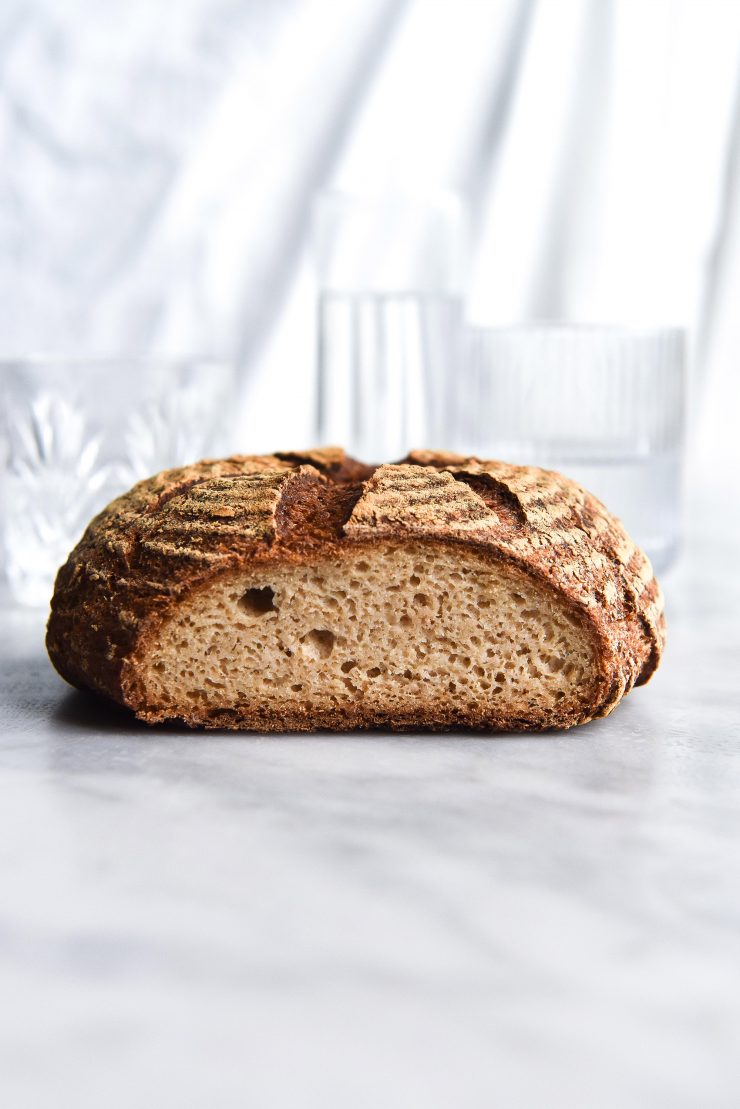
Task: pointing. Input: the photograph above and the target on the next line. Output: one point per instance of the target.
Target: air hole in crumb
(319, 643)
(348, 665)
(258, 601)
(421, 599)
(159, 667)
(297, 688)
(373, 672)
(415, 579)
(363, 566)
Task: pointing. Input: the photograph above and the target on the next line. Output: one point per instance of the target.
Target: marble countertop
(377, 921)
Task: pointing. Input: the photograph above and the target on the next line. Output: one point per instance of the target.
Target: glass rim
(112, 361)
(563, 327)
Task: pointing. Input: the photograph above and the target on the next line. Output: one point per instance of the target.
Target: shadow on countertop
(89, 712)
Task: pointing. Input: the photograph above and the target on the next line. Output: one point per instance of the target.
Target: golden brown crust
(179, 530)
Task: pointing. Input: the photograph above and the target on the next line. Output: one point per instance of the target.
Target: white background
(158, 162)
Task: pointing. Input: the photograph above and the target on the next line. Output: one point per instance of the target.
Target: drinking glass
(604, 405)
(75, 434)
(390, 272)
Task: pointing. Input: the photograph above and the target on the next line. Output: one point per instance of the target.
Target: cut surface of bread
(391, 633)
(307, 590)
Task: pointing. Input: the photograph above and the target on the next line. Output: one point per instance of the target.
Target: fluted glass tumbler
(390, 272)
(76, 434)
(606, 406)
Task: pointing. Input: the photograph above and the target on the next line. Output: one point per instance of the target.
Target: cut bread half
(402, 634)
(298, 592)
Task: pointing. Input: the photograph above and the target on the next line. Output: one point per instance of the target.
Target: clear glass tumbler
(75, 434)
(390, 272)
(606, 406)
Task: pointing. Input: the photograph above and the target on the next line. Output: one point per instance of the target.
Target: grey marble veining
(191, 920)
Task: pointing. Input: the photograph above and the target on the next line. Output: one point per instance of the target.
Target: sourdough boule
(306, 590)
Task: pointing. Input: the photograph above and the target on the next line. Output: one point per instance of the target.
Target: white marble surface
(191, 920)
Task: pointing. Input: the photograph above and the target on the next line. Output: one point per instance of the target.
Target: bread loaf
(309, 591)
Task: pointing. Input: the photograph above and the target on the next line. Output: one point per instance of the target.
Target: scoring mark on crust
(313, 509)
(496, 495)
